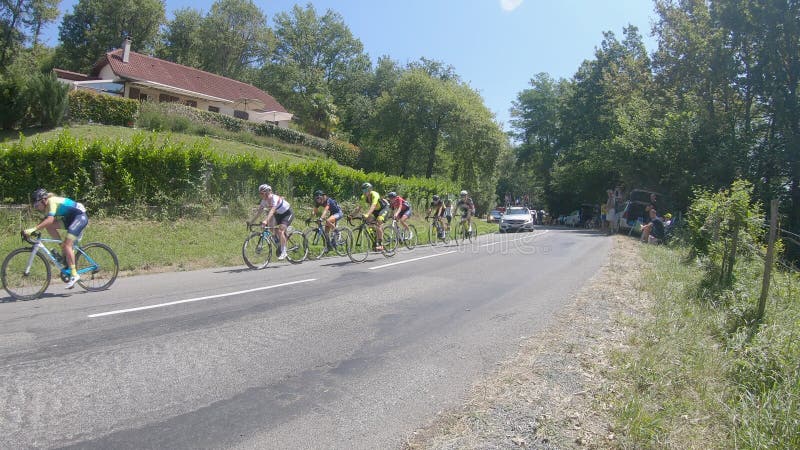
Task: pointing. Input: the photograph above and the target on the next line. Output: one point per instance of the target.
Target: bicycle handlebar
(28, 239)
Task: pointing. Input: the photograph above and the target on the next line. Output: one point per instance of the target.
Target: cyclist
(278, 208)
(402, 211)
(378, 209)
(329, 206)
(467, 207)
(438, 209)
(72, 214)
(448, 211)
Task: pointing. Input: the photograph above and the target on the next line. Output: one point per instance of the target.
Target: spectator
(655, 233)
(611, 212)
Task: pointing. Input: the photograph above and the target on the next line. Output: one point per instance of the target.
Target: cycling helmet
(38, 195)
(366, 186)
(318, 193)
(264, 188)
(463, 193)
(435, 198)
(392, 194)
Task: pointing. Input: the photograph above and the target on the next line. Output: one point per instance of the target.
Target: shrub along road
(345, 356)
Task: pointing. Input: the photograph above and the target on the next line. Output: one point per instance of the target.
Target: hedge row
(86, 106)
(106, 175)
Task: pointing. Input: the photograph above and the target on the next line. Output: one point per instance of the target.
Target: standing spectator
(611, 211)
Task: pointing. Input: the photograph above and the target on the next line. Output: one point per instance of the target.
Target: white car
(516, 219)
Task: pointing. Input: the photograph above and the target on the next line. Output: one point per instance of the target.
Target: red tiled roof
(146, 68)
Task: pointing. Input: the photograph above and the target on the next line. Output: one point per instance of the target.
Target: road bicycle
(436, 231)
(320, 242)
(26, 271)
(407, 238)
(464, 231)
(258, 247)
(364, 239)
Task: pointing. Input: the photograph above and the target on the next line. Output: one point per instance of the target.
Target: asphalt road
(325, 354)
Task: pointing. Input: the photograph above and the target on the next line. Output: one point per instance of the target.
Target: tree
(97, 26)
(22, 21)
(315, 55)
(181, 41)
(234, 39)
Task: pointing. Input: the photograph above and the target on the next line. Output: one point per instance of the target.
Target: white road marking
(514, 240)
(411, 260)
(228, 294)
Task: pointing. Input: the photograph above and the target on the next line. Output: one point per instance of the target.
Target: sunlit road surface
(324, 354)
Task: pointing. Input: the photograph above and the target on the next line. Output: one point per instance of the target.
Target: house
(129, 74)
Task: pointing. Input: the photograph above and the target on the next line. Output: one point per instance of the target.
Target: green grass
(148, 245)
(699, 374)
(262, 147)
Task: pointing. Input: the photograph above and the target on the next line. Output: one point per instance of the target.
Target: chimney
(126, 49)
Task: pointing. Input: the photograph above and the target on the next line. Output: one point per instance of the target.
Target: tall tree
(235, 39)
(21, 22)
(181, 40)
(97, 26)
(315, 56)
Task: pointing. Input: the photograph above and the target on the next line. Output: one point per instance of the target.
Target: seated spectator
(655, 233)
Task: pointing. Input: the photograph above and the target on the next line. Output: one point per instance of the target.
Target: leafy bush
(48, 99)
(722, 227)
(86, 106)
(13, 99)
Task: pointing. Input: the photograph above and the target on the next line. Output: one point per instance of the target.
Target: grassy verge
(700, 374)
(148, 245)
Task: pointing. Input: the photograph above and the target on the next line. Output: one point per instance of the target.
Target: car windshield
(517, 211)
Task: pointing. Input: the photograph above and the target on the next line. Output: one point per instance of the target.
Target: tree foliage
(97, 26)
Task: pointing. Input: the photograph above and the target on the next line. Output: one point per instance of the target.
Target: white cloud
(510, 5)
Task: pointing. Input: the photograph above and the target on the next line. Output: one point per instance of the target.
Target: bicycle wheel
(21, 285)
(342, 239)
(410, 238)
(472, 234)
(359, 247)
(390, 240)
(296, 247)
(257, 251)
(458, 232)
(316, 243)
(103, 264)
(433, 234)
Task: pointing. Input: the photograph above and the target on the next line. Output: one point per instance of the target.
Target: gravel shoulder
(554, 393)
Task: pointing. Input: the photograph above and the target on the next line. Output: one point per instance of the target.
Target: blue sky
(496, 46)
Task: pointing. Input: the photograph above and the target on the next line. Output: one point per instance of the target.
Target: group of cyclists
(73, 215)
(378, 209)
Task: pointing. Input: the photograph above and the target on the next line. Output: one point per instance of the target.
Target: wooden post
(773, 228)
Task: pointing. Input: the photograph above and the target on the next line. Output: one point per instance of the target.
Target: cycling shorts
(338, 216)
(284, 218)
(76, 225)
(381, 214)
(406, 213)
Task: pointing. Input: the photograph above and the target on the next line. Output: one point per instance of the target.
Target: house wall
(153, 94)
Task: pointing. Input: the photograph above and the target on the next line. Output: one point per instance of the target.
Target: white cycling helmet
(463, 193)
(264, 188)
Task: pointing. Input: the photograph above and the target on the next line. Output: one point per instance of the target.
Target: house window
(134, 93)
(143, 97)
(164, 98)
(191, 103)
(213, 109)
(241, 114)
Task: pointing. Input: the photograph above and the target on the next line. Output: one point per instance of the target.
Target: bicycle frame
(39, 246)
